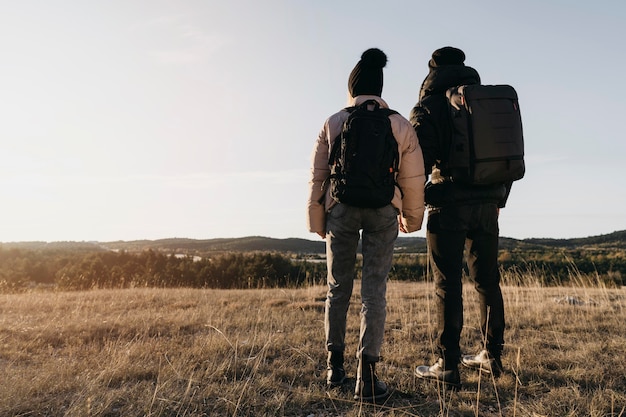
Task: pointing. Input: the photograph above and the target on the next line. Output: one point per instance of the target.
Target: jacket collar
(355, 101)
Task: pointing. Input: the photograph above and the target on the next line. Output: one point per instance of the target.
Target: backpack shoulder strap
(389, 112)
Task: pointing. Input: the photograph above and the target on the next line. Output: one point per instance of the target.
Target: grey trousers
(380, 230)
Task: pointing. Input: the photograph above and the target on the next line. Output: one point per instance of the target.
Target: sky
(153, 119)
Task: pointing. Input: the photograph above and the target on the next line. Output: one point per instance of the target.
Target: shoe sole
(379, 399)
(483, 369)
(477, 367)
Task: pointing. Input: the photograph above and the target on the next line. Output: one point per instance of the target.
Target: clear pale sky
(150, 119)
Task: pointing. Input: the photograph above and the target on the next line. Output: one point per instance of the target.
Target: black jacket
(431, 120)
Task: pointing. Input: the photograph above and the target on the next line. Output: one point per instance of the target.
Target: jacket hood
(440, 78)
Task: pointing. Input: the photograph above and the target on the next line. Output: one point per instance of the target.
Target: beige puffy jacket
(410, 178)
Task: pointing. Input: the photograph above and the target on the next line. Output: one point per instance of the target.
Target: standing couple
(458, 217)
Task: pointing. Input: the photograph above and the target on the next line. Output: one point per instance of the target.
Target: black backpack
(364, 158)
(487, 144)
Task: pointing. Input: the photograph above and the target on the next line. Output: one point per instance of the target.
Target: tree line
(587, 265)
(21, 269)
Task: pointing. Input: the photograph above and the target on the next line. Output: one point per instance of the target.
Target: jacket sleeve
(411, 176)
(316, 213)
(502, 202)
(425, 125)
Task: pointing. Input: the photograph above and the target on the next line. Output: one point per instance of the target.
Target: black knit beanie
(367, 76)
(447, 55)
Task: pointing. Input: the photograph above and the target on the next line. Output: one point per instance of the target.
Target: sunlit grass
(190, 352)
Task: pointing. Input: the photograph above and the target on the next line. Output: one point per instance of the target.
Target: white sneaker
(436, 372)
(483, 361)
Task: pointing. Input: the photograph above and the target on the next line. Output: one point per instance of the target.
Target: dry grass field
(185, 352)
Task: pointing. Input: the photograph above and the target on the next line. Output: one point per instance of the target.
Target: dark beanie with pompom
(367, 76)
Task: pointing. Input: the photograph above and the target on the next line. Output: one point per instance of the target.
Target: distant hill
(244, 244)
(611, 240)
(615, 240)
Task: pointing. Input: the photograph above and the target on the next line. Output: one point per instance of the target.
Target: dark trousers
(450, 230)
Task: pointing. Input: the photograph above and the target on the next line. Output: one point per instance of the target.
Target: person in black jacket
(459, 216)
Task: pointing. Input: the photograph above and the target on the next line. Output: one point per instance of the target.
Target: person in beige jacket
(341, 225)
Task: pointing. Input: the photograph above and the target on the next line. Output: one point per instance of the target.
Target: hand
(401, 226)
